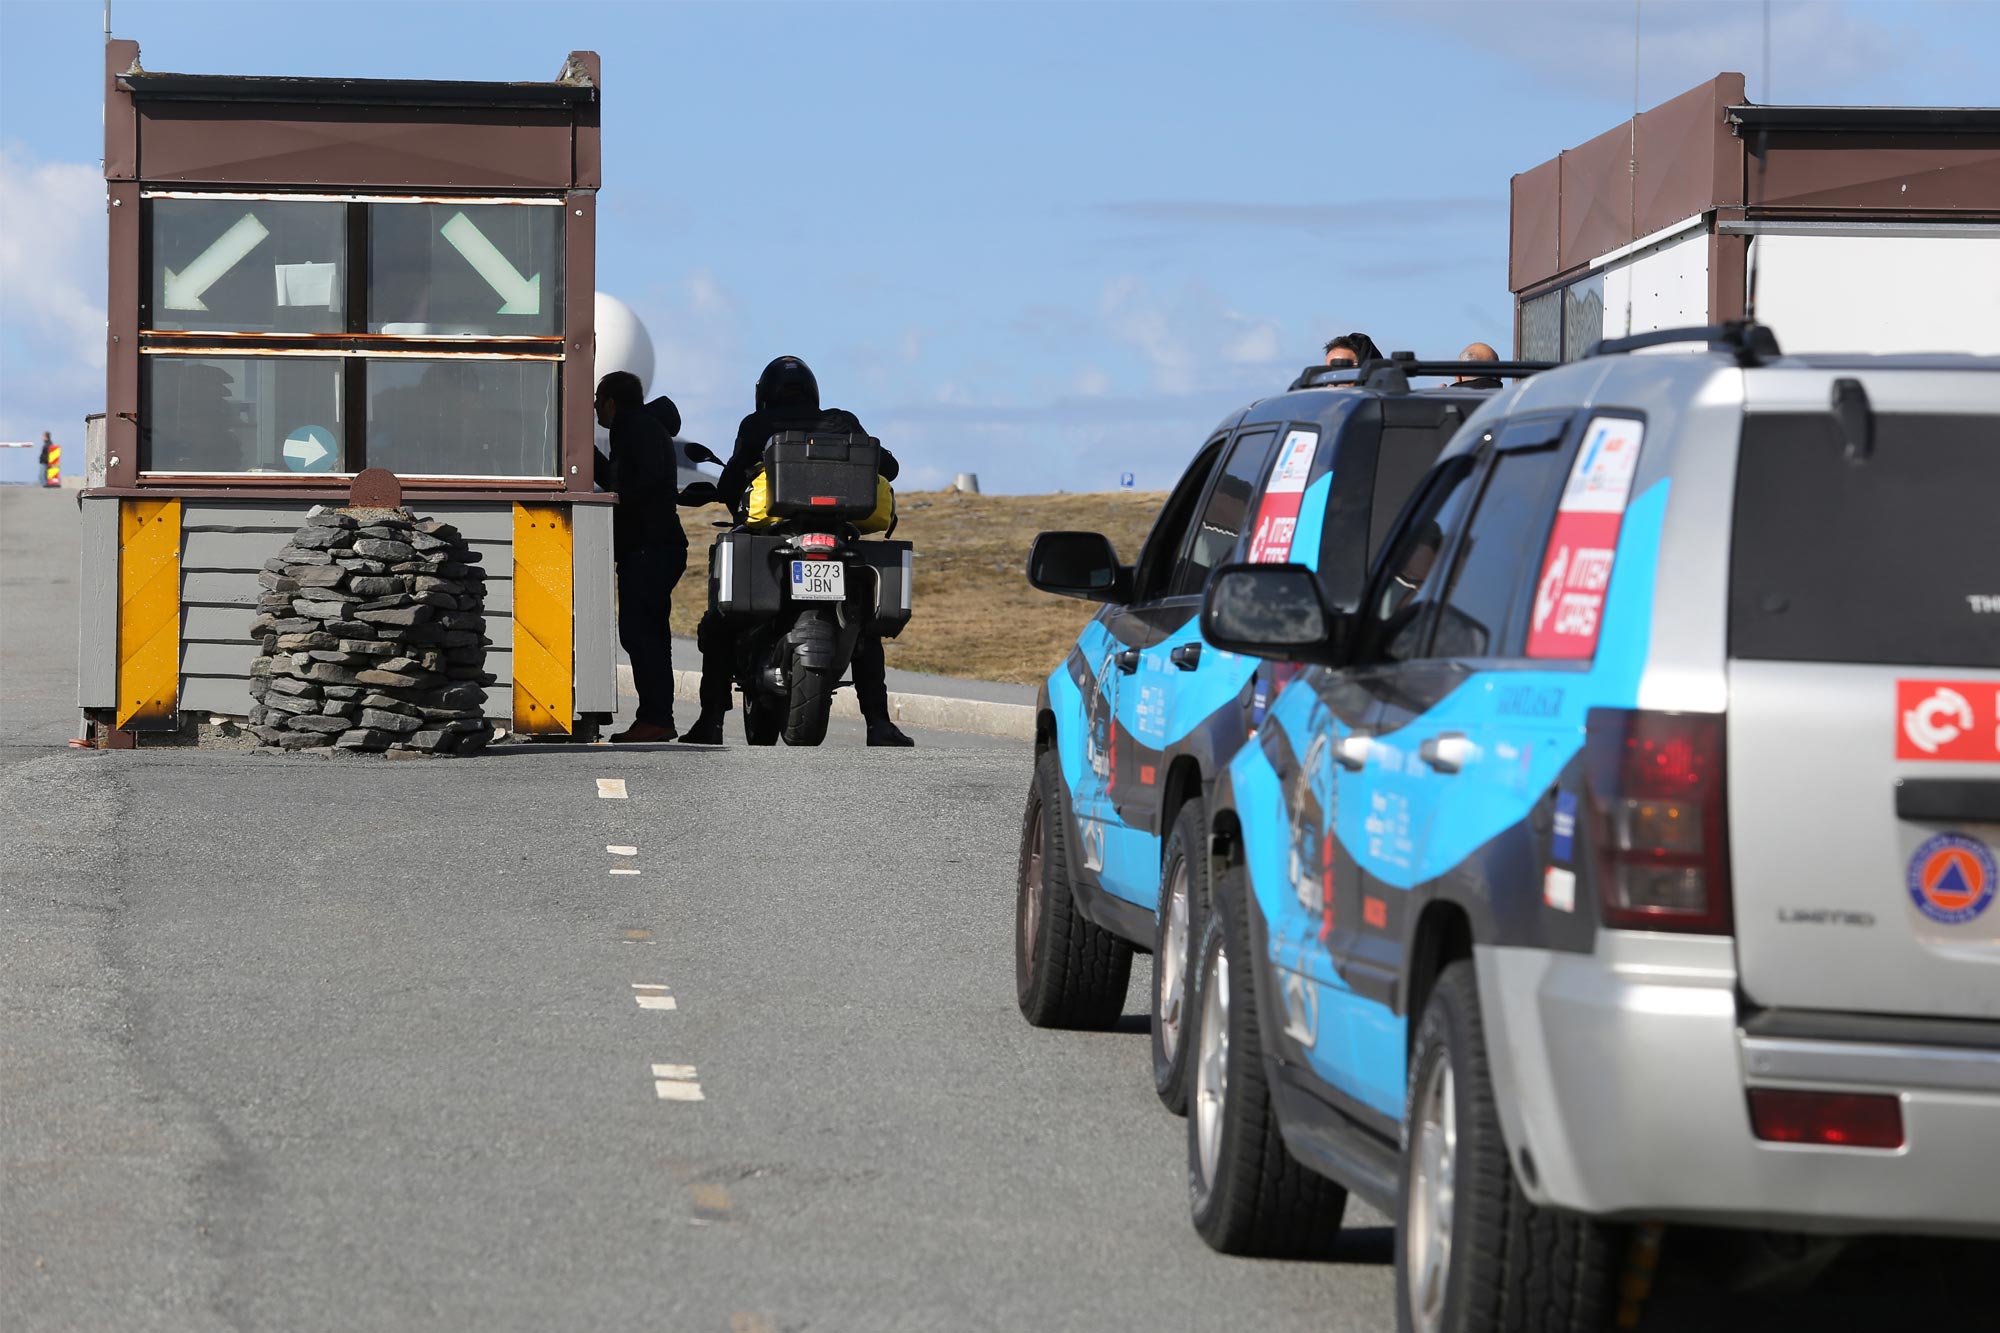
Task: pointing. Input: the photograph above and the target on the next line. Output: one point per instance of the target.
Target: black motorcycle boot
(707, 730)
(881, 731)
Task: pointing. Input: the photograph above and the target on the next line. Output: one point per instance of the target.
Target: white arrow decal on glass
(309, 449)
(523, 296)
(184, 288)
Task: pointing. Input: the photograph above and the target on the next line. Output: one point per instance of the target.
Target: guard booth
(309, 277)
(1853, 229)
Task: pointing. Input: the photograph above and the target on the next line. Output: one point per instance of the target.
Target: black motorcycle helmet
(787, 385)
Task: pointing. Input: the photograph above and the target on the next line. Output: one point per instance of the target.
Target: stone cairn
(373, 637)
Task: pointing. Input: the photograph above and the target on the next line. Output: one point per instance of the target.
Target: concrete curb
(936, 712)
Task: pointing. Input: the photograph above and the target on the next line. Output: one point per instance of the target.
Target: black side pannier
(743, 576)
(891, 563)
(811, 474)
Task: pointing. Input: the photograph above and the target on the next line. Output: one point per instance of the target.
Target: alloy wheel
(1434, 1151)
(1211, 1075)
(1028, 906)
(1170, 968)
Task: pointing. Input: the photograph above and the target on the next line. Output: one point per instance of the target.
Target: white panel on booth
(1880, 293)
(1664, 288)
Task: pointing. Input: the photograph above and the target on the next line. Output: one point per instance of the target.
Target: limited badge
(1952, 878)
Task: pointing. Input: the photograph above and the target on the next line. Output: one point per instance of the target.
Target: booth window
(453, 270)
(249, 266)
(1563, 323)
(423, 337)
(463, 417)
(244, 414)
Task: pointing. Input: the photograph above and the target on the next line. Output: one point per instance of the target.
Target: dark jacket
(644, 469)
(757, 430)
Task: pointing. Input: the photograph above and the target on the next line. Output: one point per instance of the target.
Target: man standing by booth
(648, 543)
(51, 461)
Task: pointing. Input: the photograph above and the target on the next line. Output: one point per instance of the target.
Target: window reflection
(437, 417)
(437, 270)
(243, 414)
(248, 266)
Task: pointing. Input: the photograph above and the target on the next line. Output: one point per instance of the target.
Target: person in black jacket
(787, 399)
(647, 542)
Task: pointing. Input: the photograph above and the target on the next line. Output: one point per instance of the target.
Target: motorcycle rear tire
(762, 720)
(810, 704)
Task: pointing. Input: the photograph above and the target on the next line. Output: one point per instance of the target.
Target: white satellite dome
(624, 344)
(622, 341)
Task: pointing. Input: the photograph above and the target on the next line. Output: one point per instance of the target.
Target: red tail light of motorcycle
(1659, 822)
(817, 545)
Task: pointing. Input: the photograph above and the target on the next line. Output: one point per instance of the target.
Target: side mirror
(1272, 611)
(698, 453)
(1078, 564)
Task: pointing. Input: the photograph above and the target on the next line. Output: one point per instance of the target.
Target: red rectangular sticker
(1956, 720)
(1576, 567)
(1278, 511)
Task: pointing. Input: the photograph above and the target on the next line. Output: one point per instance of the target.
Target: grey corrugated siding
(97, 606)
(223, 546)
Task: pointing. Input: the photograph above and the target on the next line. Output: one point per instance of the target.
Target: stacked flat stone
(373, 637)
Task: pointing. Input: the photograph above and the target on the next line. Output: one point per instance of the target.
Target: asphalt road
(295, 1044)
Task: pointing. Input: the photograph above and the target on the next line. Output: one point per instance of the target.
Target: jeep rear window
(1893, 558)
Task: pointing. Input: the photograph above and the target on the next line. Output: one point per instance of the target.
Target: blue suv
(1507, 940)
(1135, 725)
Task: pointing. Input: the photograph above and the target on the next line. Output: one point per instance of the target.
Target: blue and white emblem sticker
(1562, 841)
(1952, 878)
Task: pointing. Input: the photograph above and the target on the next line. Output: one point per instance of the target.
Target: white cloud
(1191, 340)
(1818, 49)
(1251, 342)
(52, 274)
(1090, 382)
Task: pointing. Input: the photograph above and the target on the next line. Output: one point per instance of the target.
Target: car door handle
(1446, 752)
(1187, 657)
(1351, 752)
(1128, 661)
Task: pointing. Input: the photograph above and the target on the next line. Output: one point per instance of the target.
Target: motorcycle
(797, 583)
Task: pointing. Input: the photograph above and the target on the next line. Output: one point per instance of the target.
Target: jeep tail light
(817, 545)
(1659, 828)
(1829, 1119)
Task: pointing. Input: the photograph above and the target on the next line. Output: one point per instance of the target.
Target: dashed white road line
(652, 996)
(616, 850)
(624, 870)
(611, 789)
(676, 1083)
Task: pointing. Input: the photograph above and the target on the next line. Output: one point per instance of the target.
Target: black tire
(1248, 1195)
(763, 719)
(1506, 1264)
(810, 703)
(1068, 973)
(1186, 856)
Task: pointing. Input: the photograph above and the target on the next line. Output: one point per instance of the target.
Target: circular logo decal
(1952, 878)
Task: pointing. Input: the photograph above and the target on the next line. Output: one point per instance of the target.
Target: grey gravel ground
(297, 1043)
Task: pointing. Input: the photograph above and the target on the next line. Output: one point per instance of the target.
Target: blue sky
(1047, 243)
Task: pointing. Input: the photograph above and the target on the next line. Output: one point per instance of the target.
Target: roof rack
(1391, 374)
(1752, 344)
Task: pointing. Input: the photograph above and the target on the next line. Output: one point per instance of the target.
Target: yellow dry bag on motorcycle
(759, 515)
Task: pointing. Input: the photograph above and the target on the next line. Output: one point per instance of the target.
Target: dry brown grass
(975, 614)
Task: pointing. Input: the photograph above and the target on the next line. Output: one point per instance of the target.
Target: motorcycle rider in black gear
(787, 399)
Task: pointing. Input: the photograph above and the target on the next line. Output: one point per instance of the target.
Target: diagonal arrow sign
(523, 296)
(184, 289)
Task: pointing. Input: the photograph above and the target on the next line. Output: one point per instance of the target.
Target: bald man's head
(1478, 352)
